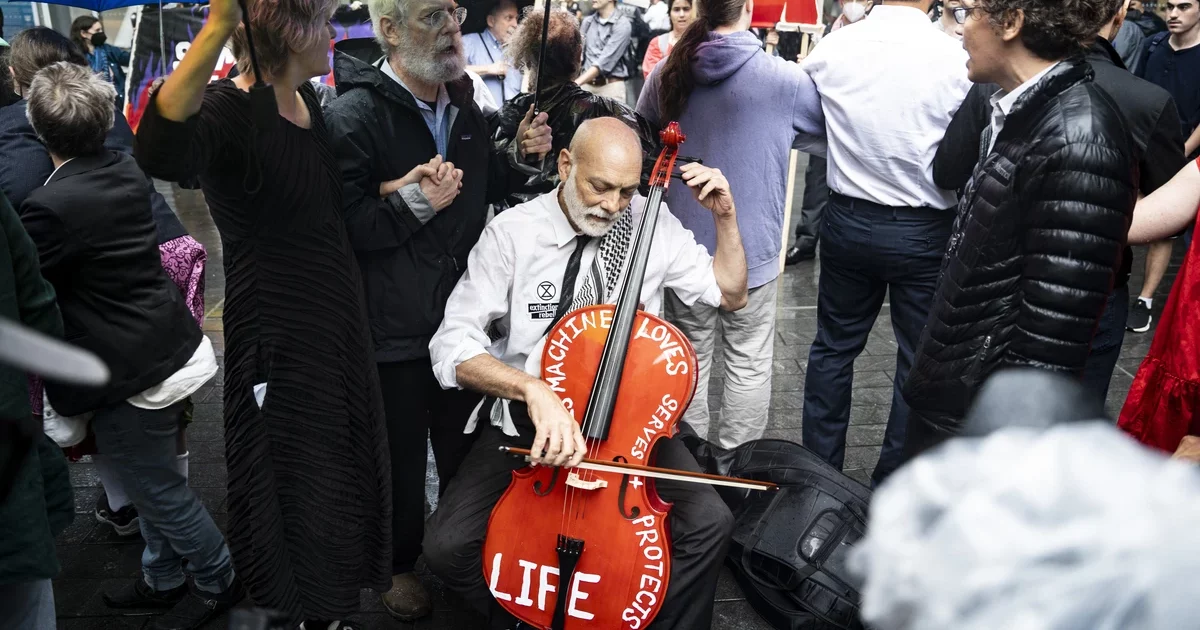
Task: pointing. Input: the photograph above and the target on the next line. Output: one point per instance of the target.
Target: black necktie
(567, 295)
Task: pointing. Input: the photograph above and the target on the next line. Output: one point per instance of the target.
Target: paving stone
(784, 418)
(860, 475)
(206, 412)
(205, 431)
(79, 529)
(786, 366)
(872, 378)
(93, 561)
(737, 615)
(861, 457)
(869, 435)
(869, 414)
(206, 475)
(872, 395)
(787, 383)
(205, 451)
(84, 476)
(787, 400)
(85, 500)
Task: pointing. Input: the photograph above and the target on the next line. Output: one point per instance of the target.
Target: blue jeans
(868, 251)
(140, 443)
(27, 606)
(1106, 345)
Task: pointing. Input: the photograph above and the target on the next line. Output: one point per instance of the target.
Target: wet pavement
(93, 559)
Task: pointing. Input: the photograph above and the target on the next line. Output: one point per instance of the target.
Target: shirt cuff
(712, 296)
(417, 202)
(447, 371)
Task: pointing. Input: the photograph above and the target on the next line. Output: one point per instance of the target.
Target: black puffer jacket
(409, 266)
(1035, 248)
(567, 106)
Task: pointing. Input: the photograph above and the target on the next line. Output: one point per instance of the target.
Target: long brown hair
(675, 82)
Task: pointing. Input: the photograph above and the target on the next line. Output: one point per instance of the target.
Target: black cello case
(789, 547)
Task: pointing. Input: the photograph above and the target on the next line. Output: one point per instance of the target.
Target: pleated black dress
(309, 480)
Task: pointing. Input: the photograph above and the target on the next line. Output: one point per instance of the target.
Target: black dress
(309, 476)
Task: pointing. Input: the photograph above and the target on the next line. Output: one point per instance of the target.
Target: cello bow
(653, 472)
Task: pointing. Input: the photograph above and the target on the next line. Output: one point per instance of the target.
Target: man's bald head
(607, 139)
(601, 170)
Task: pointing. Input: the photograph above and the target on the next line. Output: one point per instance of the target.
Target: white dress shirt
(1002, 104)
(889, 86)
(658, 16)
(513, 277)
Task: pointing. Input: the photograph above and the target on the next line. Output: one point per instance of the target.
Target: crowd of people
(395, 258)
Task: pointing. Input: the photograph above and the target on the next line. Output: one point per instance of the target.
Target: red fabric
(654, 53)
(1164, 402)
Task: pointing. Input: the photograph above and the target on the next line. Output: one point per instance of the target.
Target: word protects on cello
(650, 582)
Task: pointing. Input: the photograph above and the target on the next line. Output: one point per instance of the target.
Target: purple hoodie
(746, 112)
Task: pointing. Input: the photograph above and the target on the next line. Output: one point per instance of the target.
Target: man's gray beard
(431, 67)
(583, 216)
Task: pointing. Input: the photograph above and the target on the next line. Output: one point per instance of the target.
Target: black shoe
(796, 255)
(1139, 317)
(199, 607)
(125, 520)
(138, 594)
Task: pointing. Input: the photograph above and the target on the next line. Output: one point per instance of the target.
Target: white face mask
(854, 11)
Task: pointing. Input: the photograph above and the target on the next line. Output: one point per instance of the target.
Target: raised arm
(1169, 210)
(183, 92)
(184, 128)
(711, 190)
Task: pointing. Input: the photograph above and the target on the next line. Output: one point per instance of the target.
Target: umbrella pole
(162, 41)
(537, 89)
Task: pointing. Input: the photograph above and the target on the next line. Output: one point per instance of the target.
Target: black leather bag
(789, 547)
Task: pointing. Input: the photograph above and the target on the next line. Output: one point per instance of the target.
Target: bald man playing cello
(519, 281)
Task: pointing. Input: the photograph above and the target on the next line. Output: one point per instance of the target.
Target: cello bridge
(574, 481)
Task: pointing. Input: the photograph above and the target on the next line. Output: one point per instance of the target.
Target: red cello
(589, 547)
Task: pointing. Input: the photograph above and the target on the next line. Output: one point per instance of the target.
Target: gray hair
(71, 109)
(394, 10)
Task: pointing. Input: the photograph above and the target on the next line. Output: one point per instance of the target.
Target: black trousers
(1106, 345)
(416, 406)
(816, 197)
(699, 522)
(868, 251)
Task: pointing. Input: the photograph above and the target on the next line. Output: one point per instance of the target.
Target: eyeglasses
(437, 19)
(962, 13)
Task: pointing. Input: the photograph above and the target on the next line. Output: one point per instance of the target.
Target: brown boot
(408, 600)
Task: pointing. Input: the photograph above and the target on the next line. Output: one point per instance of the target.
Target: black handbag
(789, 547)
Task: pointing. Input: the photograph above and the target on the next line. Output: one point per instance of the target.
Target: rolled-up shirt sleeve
(690, 273)
(481, 297)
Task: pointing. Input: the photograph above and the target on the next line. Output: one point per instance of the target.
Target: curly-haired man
(1043, 220)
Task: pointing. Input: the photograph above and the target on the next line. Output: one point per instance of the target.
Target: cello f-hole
(537, 485)
(634, 511)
